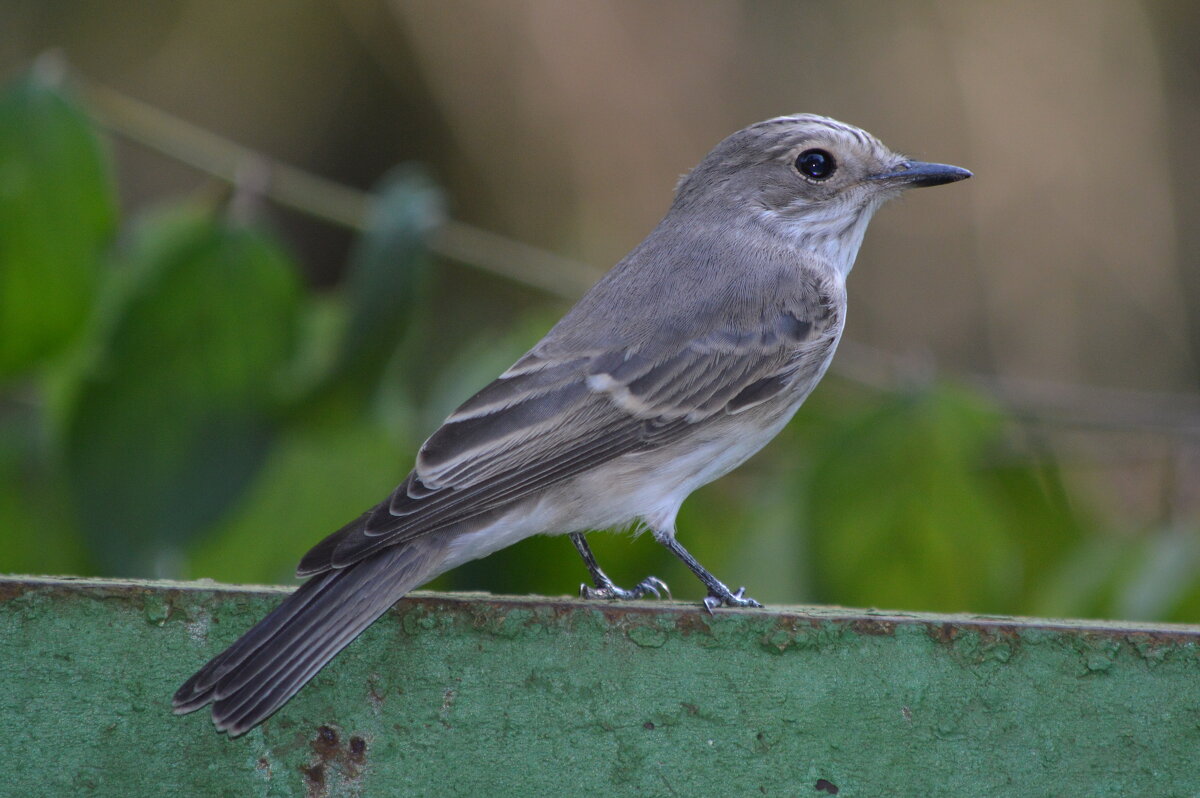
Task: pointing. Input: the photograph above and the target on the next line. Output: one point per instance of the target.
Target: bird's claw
(728, 599)
(650, 586)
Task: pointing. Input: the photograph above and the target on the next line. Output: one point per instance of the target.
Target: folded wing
(553, 416)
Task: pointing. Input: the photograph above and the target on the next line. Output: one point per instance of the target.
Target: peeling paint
(482, 695)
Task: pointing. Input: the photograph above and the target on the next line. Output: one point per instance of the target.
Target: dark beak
(920, 174)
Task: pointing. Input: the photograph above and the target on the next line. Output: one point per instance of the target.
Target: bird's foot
(726, 598)
(607, 590)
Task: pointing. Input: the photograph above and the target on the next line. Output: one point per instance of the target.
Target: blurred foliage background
(251, 254)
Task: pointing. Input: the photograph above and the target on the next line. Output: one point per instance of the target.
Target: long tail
(266, 666)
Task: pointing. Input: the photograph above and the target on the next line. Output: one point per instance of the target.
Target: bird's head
(813, 180)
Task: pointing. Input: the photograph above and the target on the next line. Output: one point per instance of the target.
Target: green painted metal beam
(476, 695)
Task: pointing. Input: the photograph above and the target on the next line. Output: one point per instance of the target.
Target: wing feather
(554, 415)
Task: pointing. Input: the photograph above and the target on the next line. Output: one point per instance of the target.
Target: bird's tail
(271, 662)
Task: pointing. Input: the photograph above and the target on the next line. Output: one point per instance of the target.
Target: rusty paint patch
(781, 637)
(325, 744)
(11, 590)
(1003, 632)
(1154, 642)
(976, 644)
(622, 615)
(330, 759)
(1150, 648)
(999, 643)
(692, 623)
(944, 633)
(874, 627)
(314, 779)
(945, 629)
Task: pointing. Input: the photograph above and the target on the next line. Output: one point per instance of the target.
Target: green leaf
(1161, 581)
(57, 213)
(915, 505)
(1179, 599)
(1087, 582)
(176, 417)
(321, 474)
(387, 267)
(37, 534)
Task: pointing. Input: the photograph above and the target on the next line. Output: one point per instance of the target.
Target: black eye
(817, 164)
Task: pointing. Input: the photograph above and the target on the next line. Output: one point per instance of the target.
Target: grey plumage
(684, 360)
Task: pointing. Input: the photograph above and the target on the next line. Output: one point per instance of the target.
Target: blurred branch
(216, 156)
(1094, 408)
(1044, 403)
(1056, 404)
(512, 259)
(319, 197)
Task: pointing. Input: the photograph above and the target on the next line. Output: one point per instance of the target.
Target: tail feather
(257, 705)
(271, 662)
(296, 654)
(301, 635)
(203, 683)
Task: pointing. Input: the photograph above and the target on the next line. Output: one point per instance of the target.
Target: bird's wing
(549, 418)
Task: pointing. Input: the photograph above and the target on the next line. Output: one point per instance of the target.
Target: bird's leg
(718, 594)
(604, 587)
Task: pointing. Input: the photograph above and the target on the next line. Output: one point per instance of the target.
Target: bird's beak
(919, 174)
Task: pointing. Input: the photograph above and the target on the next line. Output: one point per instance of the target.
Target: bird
(680, 363)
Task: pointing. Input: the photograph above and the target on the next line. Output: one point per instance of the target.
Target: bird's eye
(816, 164)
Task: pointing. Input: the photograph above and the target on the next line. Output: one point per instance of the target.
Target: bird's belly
(650, 486)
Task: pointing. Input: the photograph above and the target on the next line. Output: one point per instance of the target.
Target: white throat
(833, 233)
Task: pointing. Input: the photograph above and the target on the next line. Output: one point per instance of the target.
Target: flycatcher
(678, 365)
